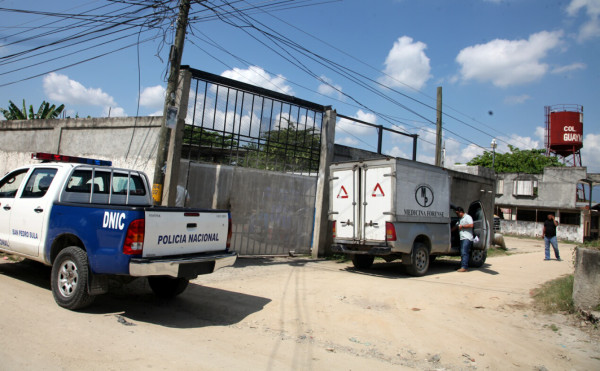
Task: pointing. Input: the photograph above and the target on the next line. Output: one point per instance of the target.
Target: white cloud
(569, 68)
(257, 76)
(346, 126)
(113, 112)
(591, 28)
(508, 62)
(517, 99)
(540, 133)
(61, 89)
(347, 141)
(590, 153)
(406, 64)
(153, 97)
(329, 88)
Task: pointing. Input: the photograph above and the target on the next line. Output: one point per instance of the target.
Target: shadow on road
(198, 306)
(396, 270)
(28, 271)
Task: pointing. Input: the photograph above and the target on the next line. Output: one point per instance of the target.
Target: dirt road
(279, 314)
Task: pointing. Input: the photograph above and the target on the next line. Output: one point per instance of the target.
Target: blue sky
(499, 62)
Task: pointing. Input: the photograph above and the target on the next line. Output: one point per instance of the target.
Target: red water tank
(565, 129)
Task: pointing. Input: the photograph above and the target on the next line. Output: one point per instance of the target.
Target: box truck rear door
(345, 202)
(377, 201)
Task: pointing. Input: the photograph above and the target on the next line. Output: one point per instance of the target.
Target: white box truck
(401, 209)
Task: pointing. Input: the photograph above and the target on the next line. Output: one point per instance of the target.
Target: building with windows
(523, 202)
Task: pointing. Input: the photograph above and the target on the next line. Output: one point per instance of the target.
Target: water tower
(564, 136)
(564, 132)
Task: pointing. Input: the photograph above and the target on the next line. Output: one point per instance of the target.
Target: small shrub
(555, 296)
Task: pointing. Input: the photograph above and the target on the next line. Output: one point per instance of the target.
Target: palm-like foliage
(45, 111)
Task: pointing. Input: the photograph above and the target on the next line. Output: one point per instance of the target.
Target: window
(38, 183)
(9, 185)
(81, 182)
(570, 218)
(525, 187)
(121, 182)
(500, 186)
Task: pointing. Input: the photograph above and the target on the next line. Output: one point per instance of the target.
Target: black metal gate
(234, 123)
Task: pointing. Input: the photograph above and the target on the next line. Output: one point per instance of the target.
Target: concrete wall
(129, 142)
(556, 188)
(534, 229)
(344, 153)
(586, 285)
(272, 213)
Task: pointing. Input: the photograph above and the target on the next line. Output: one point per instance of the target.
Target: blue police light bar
(63, 158)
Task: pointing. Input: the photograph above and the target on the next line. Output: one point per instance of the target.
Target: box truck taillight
(333, 229)
(390, 232)
(134, 240)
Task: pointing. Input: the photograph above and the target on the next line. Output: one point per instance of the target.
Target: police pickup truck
(92, 222)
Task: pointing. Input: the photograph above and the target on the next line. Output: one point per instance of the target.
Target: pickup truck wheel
(167, 287)
(362, 261)
(419, 260)
(477, 258)
(70, 276)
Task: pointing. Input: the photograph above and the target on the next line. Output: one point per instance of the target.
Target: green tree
(531, 161)
(45, 111)
(207, 138)
(288, 149)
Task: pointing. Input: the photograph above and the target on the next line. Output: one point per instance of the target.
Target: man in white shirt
(465, 231)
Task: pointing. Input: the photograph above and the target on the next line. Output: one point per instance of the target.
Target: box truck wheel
(362, 261)
(477, 258)
(419, 262)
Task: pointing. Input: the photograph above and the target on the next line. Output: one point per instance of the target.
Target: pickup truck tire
(419, 262)
(167, 287)
(70, 276)
(477, 258)
(362, 261)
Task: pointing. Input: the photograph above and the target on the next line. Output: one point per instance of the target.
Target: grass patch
(555, 296)
(593, 245)
(494, 251)
(340, 258)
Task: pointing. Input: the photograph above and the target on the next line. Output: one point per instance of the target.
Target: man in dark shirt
(550, 237)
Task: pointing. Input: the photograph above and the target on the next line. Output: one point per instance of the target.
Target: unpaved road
(281, 314)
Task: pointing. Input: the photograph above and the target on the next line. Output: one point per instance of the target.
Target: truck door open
(480, 225)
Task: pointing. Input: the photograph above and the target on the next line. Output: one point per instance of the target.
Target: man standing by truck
(465, 230)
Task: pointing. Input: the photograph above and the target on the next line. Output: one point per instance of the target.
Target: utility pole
(438, 142)
(170, 110)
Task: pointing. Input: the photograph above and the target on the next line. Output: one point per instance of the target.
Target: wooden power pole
(438, 142)
(170, 110)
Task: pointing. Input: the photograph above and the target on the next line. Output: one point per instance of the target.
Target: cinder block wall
(129, 142)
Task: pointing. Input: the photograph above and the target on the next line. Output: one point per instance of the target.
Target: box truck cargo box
(401, 209)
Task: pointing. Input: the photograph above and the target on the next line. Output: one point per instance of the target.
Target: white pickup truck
(92, 222)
